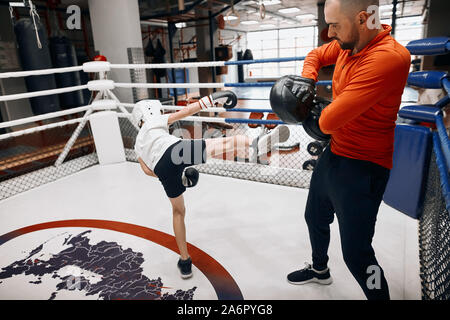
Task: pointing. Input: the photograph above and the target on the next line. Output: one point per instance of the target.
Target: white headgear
(145, 109)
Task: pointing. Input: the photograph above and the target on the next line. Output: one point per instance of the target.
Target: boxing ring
(60, 198)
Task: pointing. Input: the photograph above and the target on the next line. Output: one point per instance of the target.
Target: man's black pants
(353, 189)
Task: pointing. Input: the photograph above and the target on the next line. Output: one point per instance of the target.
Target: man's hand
(311, 124)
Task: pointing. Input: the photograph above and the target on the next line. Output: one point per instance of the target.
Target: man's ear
(362, 17)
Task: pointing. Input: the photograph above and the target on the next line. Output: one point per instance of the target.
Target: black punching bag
(63, 56)
(2, 131)
(33, 58)
(240, 67)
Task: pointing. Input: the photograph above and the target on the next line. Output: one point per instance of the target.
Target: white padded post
(107, 137)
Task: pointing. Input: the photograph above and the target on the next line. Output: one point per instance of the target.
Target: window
(298, 42)
(283, 43)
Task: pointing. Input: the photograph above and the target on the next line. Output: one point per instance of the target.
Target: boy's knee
(181, 212)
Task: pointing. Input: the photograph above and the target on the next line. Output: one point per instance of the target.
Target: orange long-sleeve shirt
(367, 91)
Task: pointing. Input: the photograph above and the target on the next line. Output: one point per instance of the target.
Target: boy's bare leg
(179, 228)
(179, 212)
(219, 146)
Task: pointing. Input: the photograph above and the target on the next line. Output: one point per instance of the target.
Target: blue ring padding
(429, 46)
(251, 110)
(254, 121)
(427, 79)
(426, 113)
(324, 83)
(443, 102)
(443, 170)
(242, 62)
(446, 85)
(249, 84)
(445, 142)
(268, 84)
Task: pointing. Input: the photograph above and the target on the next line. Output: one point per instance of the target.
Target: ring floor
(255, 231)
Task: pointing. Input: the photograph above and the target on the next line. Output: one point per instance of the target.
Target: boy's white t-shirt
(153, 140)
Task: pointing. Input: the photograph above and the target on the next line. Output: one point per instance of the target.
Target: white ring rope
(109, 84)
(199, 119)
(46, 116)
(178, 108)
(40, 128)
(170, 85)
(19, 74)
(184, 65)
(41, 93)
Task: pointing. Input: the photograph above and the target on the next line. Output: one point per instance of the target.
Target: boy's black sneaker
(308, 275)
(185, 267)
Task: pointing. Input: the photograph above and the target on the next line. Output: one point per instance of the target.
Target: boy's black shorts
(180, 155)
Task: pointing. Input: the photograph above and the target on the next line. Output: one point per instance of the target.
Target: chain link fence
(434, 239)
(27, 161)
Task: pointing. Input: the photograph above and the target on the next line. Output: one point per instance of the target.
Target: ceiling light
(289, 10)
(181, 25)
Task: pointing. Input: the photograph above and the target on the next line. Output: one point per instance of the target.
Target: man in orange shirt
(371, 70)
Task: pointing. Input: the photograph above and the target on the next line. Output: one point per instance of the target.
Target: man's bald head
(352, 22)
(352, 7)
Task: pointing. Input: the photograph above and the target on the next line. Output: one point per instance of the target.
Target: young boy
(168, 158)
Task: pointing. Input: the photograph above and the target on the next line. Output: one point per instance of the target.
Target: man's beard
(350, 45)
(347, 45)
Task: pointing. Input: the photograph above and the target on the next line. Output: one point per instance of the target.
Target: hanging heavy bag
(33, 58)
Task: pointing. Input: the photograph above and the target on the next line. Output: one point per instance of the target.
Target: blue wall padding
(405, 189)
(425, 113)
(430, 46)
(427, 79)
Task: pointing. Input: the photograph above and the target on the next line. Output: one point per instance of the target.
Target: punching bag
(159, 54)
(240, 68)
(2, 130)
(33, 58)
(63, 55)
